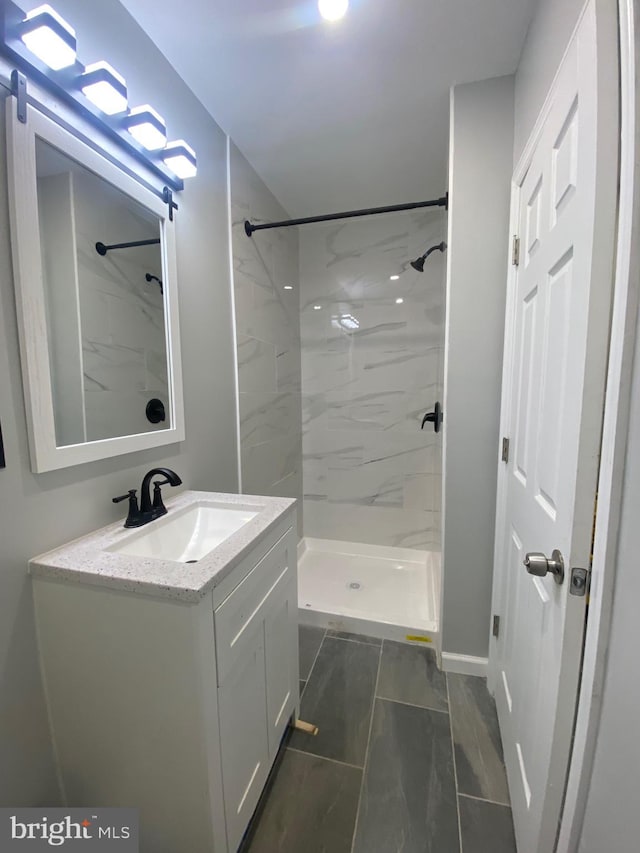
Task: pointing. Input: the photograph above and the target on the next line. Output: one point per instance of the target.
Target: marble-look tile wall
(371, 367)
(122, 314)
(106, 320)
(268, 333)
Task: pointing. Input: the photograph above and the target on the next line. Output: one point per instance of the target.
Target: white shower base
(392, 593)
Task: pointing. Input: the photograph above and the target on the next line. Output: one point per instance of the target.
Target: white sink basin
(186, 536)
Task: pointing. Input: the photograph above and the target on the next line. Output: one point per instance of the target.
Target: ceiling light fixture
(333, 10)
(394, 278)
(147, 127)
(347, 322)
(49, 37)
(317, 307)
(288, 287)
(181, 159)
(105, 88)
(399, 300)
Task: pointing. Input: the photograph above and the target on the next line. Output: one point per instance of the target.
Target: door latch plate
(579, 582)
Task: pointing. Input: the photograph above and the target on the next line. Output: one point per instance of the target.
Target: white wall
(45, 510)
(268, 342)
(370, 473)
(480, 150)
(612, 816)
(546, 42)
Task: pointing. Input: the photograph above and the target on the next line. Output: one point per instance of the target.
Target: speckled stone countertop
(88, 560)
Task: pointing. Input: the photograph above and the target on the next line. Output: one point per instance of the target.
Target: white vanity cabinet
(256, 637)
(174, 708)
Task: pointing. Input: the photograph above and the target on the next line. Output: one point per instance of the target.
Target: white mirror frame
(30, 293)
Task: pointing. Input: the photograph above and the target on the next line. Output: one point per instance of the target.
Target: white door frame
(626, 299)
(614, 443)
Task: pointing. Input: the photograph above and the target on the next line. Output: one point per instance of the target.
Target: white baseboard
(465, 664)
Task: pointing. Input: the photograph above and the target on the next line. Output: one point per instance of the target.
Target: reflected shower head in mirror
(418, 264)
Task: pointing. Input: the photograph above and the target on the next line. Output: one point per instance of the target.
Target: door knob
(436, 417)
(537, 564)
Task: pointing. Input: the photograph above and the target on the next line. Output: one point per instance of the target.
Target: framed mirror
(95, 276)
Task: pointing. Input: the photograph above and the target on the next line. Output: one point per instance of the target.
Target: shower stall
(340, 349)
(372, 344)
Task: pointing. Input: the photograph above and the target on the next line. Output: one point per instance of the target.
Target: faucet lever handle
(158, 503)
(130, 494)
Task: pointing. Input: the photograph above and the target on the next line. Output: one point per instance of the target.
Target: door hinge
(580, 579)
(505, 449)
(496, 626)
(515, 252)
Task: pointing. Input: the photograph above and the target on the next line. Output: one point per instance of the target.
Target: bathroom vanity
(170, 681)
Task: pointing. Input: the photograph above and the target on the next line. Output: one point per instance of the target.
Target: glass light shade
(49, 37)
(349, 322)
(333, 10)
(181, 159)
(147, 127)
(105, 88)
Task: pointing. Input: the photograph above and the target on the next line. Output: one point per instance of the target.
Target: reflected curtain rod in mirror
(101, 249)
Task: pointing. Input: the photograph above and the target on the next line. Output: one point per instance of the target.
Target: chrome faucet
(148, 509)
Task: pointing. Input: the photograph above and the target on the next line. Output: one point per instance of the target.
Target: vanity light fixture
(181, 159)
(42, 46)
(105, 88)
(49, 37)
(147, 127)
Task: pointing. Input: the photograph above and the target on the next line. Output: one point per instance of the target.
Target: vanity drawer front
(239, 615)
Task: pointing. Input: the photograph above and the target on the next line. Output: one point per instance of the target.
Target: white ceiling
(337, 116)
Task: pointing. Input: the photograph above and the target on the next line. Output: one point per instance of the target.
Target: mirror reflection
(103, 282)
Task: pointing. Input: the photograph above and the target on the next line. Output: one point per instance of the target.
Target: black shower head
(418, 264)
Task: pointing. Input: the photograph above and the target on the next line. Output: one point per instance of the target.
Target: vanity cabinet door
(243, 736)
(281, 661)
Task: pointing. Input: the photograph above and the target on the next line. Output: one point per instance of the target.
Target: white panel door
(557, 336)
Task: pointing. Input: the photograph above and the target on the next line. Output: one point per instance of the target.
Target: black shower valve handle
(436, 417)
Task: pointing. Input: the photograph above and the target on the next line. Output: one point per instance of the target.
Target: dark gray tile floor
(485, 826)
(476, 740)
(407, 759)
(338, 699)
(309, 645)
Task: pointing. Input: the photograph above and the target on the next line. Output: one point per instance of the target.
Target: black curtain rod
(349, 214)
(101, 249)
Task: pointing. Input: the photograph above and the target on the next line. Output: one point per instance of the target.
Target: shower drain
(354, 585)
